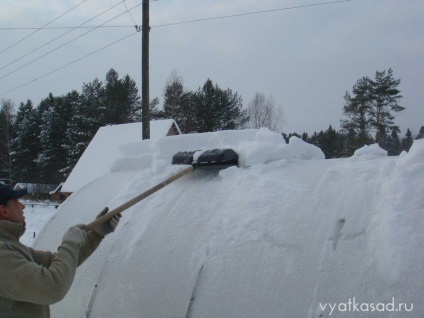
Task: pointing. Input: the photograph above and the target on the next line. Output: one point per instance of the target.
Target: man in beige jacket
(31, 280)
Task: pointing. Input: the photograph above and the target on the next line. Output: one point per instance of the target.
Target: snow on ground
(37, 215)
(286, 234)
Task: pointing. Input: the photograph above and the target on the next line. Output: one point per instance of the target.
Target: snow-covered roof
(35, 188)
(286, 234)
(104, 150)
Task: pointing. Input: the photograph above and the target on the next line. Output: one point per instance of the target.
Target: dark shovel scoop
(214, 158)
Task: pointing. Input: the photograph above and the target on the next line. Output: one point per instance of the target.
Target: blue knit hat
(7, 193)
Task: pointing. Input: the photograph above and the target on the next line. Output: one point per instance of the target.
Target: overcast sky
(305, 56)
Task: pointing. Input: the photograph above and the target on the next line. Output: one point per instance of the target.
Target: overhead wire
(66, 43)
(129, 12)
(170, 24)
(43, 27)
(64, 27)
(183, 22)
(250, 13)
(58, 37)
(68, 64)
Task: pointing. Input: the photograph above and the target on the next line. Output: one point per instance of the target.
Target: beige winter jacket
(31, 280)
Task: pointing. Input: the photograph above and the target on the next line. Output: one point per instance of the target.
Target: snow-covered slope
(103, 150)
(286, 234)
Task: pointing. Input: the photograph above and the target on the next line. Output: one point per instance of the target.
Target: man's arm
(27, 281)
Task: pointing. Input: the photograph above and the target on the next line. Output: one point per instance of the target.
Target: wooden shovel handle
(137, 199)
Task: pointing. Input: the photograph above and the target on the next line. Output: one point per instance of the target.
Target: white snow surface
(286, 234)
(103, 150)
(37, 215)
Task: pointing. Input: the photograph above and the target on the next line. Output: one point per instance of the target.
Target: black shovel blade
(214, 158)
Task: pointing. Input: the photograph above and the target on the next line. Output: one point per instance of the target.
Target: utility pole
(145, 102)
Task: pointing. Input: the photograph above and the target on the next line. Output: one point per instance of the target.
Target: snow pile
(279, 236)
(370, 151)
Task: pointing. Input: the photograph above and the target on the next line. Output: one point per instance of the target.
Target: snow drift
(286, 234)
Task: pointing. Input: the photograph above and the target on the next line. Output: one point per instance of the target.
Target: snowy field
(37, 215)
(286, 234)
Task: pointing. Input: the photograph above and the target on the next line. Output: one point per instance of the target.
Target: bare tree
(263, 112)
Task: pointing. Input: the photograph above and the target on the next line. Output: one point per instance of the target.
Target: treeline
(370, 112)
(337, 144)
(210, 108)
(42, 144)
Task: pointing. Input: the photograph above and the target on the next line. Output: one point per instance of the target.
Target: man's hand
(108, 226)
(75, 234)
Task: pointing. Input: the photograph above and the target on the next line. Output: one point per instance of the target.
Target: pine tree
(350, 143)
(216, 109)
(121, 100)
(384, 99)
(393, 144)
(7, 117)
(26, 144)
(79, 130)
(357, 108)
(174, 98)
(88, 115)
(371, 108)
(179, 104)
(155, 112)
(420, 133)
(57, 113)
(407, 141)
(329, 143)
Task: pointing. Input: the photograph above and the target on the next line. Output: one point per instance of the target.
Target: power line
(38, 29)
(73, 27)
(180, 22)
(66, 43)
(123, 1)
(168, 24)
(250, 13)
(68, 64)
(58, 37)
(65, 27)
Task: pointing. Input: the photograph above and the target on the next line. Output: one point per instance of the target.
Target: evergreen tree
(384, 139)
(155, 112)
(393, 145)
(384, 98)
(371, 108)
(7, 117)
(350, 143)
(217, 109)
(330, 143)
(26, 144)
(179, 104)
(420, 133)
(357, 108)
(79, 130)
(407, 141)
(121, 100)
(52, 159)
(174, 99)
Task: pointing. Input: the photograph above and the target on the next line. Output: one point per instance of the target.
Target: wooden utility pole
(145, 102)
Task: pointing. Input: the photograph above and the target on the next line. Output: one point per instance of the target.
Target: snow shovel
(210, 159)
